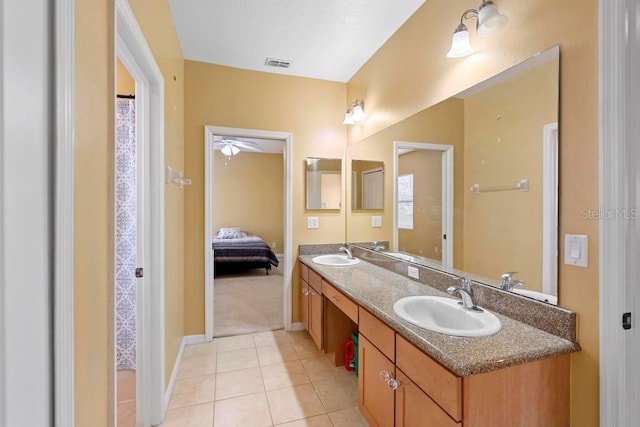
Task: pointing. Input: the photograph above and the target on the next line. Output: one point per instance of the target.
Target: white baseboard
(297, 326)
(193, 339)
(186, 340)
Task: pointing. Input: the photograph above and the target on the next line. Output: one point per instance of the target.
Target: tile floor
(263, 379)
(126, 389)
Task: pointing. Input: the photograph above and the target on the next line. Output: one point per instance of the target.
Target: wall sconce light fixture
(489, 22)
(355, 113)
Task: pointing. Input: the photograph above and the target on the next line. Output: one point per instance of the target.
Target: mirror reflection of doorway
(423, 201)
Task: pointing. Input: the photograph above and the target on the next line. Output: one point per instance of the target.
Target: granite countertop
(377, 289)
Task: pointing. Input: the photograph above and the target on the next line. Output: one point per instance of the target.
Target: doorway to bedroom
(248, 229)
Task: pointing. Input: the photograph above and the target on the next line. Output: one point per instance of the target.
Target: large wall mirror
(324, 183)
(475, 181)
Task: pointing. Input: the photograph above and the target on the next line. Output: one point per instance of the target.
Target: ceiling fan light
(490, 21)
(460, 45)
(230, 150)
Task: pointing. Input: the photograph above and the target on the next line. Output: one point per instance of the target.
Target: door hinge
(139, 272)
(626, 321)
(212, 246)
(444, 237)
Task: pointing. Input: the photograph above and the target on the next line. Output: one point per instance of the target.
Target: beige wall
(410, 72)
(156, 22)
(441, 124)
(93, 213)
(248, 193)
(425, 239)
(95, 72)
(312, 110)
(502, 152)
(125, 84)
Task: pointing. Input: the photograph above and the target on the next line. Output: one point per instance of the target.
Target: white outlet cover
(376, 221)
(312, 222)
(413, 272)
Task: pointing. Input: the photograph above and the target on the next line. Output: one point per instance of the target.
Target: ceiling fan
(231, 147)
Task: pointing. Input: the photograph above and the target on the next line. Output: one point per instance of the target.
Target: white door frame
(287, 138)
(447, 193)
(135, 54)
(618, 249)
(550, 209)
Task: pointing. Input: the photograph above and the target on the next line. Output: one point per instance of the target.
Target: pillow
(231, 233)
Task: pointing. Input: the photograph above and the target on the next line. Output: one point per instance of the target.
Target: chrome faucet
(346, 249)
(378, 246)
(466, 293)
(507, 283)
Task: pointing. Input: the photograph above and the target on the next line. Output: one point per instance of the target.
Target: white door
(27, 147)
(619, 204)
(372, 189)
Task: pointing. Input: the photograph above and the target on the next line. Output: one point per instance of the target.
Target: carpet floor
(248, 302)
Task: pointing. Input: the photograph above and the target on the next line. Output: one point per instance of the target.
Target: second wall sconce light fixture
(489, 22)
(355, 113)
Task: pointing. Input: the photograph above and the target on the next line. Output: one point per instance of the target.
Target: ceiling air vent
(278, 63)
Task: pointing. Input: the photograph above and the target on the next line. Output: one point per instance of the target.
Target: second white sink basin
(335, 260)
(445, 315)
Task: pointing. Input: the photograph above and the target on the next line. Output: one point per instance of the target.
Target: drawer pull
(305, 291)
(335, 298)
(393, 384)
(386, 375)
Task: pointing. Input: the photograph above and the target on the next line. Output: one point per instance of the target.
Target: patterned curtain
(126, 223)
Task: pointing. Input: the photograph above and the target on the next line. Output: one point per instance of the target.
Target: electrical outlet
(312, 222)
(376, 221)
(413, 272)
(273, 245)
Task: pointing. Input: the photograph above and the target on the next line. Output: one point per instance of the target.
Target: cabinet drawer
(377, 333)
(304, 272)
(315, 281)
(347, 306)
(441, 385)
(415, 409)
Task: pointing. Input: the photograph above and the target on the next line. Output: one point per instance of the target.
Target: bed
(235, 251)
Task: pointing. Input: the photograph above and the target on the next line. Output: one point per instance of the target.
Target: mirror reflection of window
(405, 202)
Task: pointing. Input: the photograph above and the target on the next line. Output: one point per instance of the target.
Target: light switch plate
(376, 221)
(576, 250)
(312, 222)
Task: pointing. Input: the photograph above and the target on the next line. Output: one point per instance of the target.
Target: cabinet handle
(393, 384)
(386, 375)
(335, 298)
(305, 291)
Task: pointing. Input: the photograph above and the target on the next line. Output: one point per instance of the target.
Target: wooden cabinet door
(304, 303)
(315, 317)
(415, 409)
(375, 397)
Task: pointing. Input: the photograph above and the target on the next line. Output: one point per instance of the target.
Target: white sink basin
(445, 315)
(335, 260)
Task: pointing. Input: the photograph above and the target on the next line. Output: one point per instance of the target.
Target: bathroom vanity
(409, 376)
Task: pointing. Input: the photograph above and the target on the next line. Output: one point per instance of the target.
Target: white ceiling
(323, 39)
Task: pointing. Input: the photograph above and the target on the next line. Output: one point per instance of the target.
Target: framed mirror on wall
(323, 183)
(503, 134)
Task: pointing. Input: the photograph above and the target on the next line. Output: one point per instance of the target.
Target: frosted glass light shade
(358, 113)
(460, 45)
(230, 150)
(348, 119)
(490, 21)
